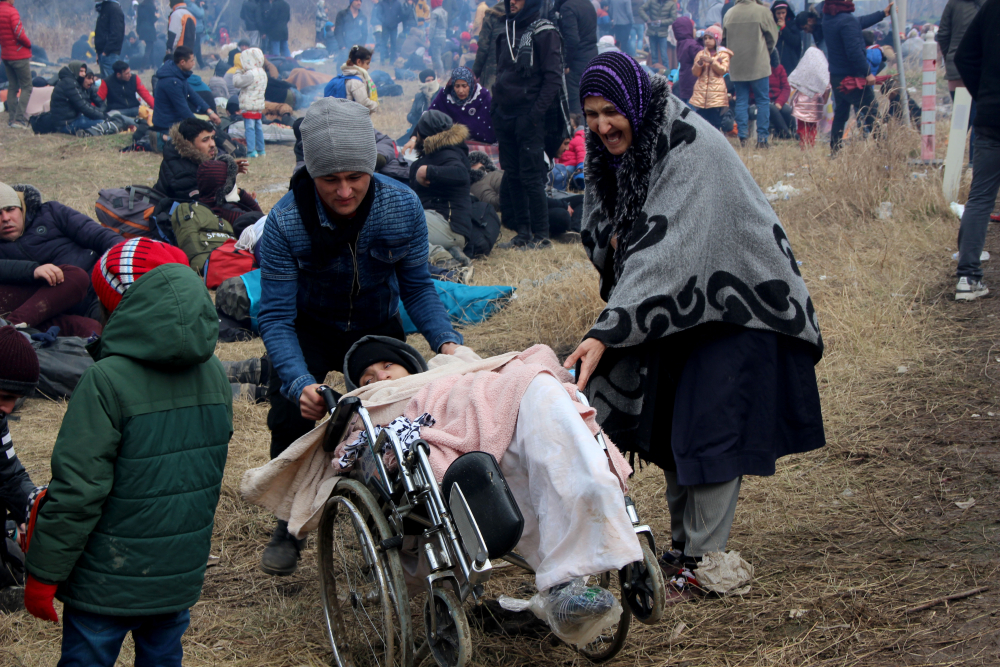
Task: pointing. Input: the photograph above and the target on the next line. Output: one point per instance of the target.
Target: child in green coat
(124, 534)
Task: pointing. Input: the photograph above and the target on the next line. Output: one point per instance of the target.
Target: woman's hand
(589, 352)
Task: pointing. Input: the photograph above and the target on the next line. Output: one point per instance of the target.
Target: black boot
(281, 556)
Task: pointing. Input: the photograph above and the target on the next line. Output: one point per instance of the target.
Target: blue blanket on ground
(466, 304)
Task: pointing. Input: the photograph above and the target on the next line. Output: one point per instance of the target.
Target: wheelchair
(466, 522)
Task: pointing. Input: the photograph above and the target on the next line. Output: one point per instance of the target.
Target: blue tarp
(466, 304)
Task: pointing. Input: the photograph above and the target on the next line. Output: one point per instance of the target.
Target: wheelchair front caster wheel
(451, 645)
(646, 593)
(611, 641)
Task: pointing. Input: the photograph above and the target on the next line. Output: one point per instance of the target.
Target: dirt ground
(844, 540)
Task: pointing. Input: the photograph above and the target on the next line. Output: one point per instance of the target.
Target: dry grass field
(844, 540)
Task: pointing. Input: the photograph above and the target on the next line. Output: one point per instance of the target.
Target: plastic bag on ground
(576, 613)
(725, 573)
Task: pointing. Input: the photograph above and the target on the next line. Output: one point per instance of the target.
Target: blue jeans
(713, 115)
(254, 134)
(81, 122)
(658, 51)
(982, 198)
(95, 640)
(106, 63)
(761, 91)
(280, 48)
(637, 35)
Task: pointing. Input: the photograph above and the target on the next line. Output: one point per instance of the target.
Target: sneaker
(18, 125)
(281, 555)
(574, 602)
(262, 154)
(252, 154)
(970, 289)
(514, 244)
(568, 237)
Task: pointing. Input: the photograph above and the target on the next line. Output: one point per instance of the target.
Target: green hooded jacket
(137, 466)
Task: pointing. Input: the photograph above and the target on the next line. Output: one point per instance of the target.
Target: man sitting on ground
(53, 234)
(175, 100)
(73, 107)
(440, 177)
(123, 90)
(192, 142)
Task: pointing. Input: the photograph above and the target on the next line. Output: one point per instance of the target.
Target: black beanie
(372, 352)
(18, 362)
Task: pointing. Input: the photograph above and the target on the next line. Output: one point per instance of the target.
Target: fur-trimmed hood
(185, 148)
(453, 136)
(32, 199)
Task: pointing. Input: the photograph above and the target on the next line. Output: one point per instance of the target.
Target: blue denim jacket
(354, 291)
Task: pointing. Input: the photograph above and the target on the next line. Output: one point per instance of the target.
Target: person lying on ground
(73, 106)
(440, 177)
(192, 142)
(520, 407)
(340, 251)
(53, 235)
(123, 91)
(124, 534)
(468, 103)
(174, 97)
(18, 378)
(217, 189)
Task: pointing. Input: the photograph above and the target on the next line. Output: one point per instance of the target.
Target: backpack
(128, 210)
(198, 231)
(485, 229)
(337, 87)
(239, 299)
(227, 262)
(560, 176)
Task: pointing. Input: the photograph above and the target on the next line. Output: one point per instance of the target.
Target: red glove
(38, 599)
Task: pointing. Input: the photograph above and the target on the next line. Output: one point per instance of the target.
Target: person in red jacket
(121, 89)
(577, 150)
(15, 49)
(781, 111)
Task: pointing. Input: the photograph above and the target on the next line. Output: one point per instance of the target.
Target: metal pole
(903, 95)
(928, 106)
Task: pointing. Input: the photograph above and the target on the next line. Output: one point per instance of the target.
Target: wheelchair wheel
(361, 586)
(646, 592)
(611, 641)
(453, 644)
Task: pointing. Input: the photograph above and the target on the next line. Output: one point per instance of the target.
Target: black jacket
(70, 99)
(15, 484)
(578, 25)
(179, 168)
(57, 234)
(109, 34)
(978, 61)
(447, 160)
(145, 21)
(17, 272)
(789, 44)
(276, 18)
(392, 15)
(530, 86)
(249, 13)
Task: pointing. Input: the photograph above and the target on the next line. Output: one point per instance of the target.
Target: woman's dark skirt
(720, 401)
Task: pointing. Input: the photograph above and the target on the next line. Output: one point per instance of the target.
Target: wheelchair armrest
(489, 499)
(336, 428)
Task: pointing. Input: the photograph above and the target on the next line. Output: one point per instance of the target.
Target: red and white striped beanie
(122, 265)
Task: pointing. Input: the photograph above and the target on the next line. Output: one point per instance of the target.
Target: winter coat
(576, 152)
(70, 99)
(955, 20)
(422, 100)
(277, 17)
(15, 483)
(487, 187)
(56, 234)
(349, 30)
(392, 15)
(219, 87)
(845, 45)
(978, 63)
(531, 90)
(447, 159)
(789, 44)
(621, 12)
(122, 94)
(439, 25)
(109, 34)
(474, 112)
(363, 92)
(138, 462)
(710, 89)
(485, 65)
(659, 15)
(249, 14)
(578, 25)
(14, 43)
(251, 80)
(749, 31)
(181, 28)
(145, 21)
(687, 48)
(179, 169)
(175, 100)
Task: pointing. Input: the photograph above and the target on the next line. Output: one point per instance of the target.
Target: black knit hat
(18, 363)
(372, 349)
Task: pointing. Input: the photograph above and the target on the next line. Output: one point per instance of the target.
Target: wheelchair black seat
(485, 489)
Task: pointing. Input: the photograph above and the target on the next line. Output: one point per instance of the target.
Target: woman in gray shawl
(702, 360)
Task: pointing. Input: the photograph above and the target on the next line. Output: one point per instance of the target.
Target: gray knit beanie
(338, 136)
(9, 198)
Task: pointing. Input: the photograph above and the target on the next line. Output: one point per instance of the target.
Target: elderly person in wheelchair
(474, 458)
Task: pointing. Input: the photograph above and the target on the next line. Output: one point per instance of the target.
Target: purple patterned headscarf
(618, 78)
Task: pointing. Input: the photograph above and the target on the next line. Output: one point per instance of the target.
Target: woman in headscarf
(702, 360)
(468, 103)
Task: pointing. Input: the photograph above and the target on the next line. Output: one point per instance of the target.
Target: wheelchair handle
(328, 397)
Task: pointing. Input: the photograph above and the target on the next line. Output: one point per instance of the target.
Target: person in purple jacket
(687, 50)
(468, 103)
